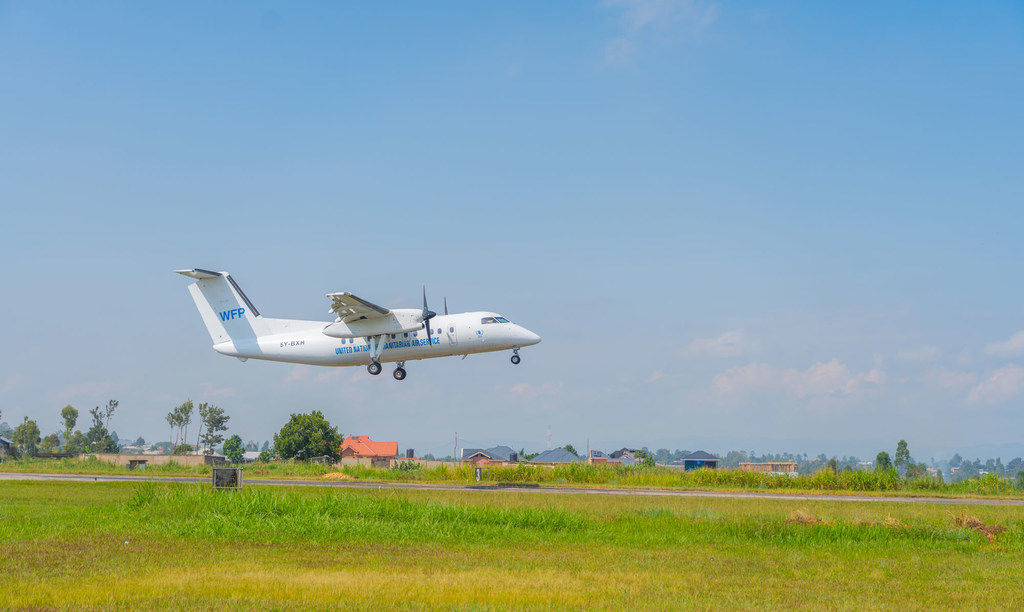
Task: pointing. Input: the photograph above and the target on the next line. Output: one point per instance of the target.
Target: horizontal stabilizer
(198, 273)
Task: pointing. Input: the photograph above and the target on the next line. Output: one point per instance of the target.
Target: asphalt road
(524, 489)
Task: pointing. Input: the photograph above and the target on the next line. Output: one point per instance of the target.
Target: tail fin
(227, 312)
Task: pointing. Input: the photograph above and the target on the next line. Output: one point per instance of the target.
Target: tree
(76, 443)
(523, 455)
(70, 417)
(645, 457)
(902, 457)
(233, 449)
(570, 448)
(140, 441)
(882, 462)
(308, 435)
(108, 411)
(215, 421)
(26, 438)
(266, 445)
(956, 460)
(97, 439)
(916, 470)
(50, 444)
(833, 465)
(179, 419)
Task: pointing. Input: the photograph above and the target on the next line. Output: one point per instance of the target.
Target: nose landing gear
(515, 356)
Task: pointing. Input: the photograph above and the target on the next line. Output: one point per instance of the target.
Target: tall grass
(272, 514)
(577, 474)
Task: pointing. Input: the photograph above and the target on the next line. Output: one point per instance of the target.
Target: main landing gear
(375, 369)
(515, 356)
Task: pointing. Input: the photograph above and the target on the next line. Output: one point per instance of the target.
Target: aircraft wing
(351, 308)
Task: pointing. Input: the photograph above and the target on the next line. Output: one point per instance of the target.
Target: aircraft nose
(528, 337)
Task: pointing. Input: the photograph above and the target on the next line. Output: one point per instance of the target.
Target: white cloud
(90, 390)
(619, 51)
(919, 355)
(13, 382)
(210, 391)
(1014, 347)
(296, 373)
(641, 17)
(528, 391)
(950, 379)
(730, 344)
(656, 375)
(1004, 384)
(821, 379)
(638, 15)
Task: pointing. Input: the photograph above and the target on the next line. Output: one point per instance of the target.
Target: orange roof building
(363, 446)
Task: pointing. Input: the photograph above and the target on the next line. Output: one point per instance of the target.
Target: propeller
(446, 305)
(428, 315)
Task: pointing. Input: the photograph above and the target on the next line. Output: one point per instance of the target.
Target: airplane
(362, 333)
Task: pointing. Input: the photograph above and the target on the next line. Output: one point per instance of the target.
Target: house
(5, 448)
(498, 455)
(599, 458)
(699, 459)
(770, 467)
(628, 453)
(362, 447)
(556, 456)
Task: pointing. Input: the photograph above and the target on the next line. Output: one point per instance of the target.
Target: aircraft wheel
(515, 359)
(399, 374)
(374, 368)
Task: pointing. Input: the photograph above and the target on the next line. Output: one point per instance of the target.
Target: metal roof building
(497, 454)
(556, 455)
(699, 459)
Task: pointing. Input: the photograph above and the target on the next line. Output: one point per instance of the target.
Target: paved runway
(525, 489)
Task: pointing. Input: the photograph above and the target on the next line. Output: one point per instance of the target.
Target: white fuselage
(296, 341)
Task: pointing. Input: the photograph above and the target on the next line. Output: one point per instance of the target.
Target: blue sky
(772, 226)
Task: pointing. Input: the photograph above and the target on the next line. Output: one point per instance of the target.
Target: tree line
(303, 437)
(27, 441)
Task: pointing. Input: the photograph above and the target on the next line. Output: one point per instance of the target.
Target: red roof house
(363, 446)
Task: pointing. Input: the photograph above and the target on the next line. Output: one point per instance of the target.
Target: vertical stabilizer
(227, 312)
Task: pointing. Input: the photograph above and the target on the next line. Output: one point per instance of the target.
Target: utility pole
(455, 453)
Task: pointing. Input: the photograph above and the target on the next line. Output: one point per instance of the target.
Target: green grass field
(155, 546)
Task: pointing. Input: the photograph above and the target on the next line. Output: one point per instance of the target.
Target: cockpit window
(501, 319)
(487, 320)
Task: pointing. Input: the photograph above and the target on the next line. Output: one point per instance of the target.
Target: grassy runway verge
(127, 545)
(886, 483)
